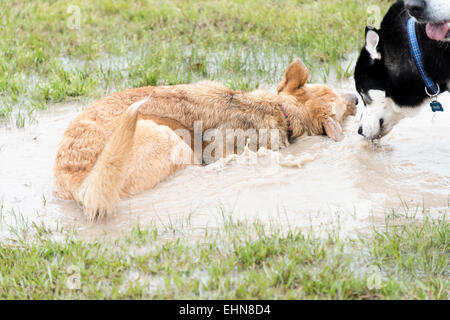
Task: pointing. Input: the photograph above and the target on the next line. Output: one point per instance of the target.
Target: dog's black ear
(370, 28)
(373, 43)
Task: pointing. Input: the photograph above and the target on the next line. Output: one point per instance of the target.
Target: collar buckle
(433, 96)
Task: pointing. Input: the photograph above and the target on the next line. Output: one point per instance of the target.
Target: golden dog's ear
(333, 129)
(295, 77)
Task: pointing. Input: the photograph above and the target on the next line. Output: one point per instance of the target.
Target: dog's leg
(101, 189)
(157, 153)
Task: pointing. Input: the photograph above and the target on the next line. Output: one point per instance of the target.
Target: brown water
(313, 183)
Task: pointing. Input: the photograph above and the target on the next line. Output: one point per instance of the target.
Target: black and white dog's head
(380, 113)
(435, 14)
(385, 74)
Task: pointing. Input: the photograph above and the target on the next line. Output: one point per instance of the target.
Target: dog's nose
(351, 98)
(416, 7)
(360, 131)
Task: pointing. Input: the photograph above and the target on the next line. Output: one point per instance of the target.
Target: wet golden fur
(124, 143)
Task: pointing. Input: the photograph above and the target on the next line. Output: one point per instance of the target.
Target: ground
(52, 52)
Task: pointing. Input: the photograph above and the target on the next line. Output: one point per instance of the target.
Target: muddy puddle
(313, 183)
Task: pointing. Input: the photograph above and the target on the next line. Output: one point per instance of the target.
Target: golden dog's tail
(100, 191)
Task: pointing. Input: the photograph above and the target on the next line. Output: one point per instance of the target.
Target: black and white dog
(386, 75)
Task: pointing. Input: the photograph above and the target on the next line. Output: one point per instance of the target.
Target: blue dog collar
(432, 89)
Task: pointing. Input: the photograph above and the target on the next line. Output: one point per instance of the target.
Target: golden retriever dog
(132, 140)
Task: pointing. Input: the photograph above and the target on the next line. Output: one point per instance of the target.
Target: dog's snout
(351, 98)
(351, 101)
(416, 7)
(360, 131)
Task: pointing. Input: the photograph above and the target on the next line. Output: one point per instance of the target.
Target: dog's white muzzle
(381, 115)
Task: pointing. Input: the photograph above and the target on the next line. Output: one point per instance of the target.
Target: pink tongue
(437, 31)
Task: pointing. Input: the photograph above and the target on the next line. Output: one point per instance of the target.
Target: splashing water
(315, 182)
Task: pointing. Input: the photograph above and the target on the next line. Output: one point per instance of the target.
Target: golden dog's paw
(94, 214)
(94, 206)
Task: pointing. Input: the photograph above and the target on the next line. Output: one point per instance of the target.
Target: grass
(407, 260)
(55, 51)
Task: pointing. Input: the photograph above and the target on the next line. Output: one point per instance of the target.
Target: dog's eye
(381, 122)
